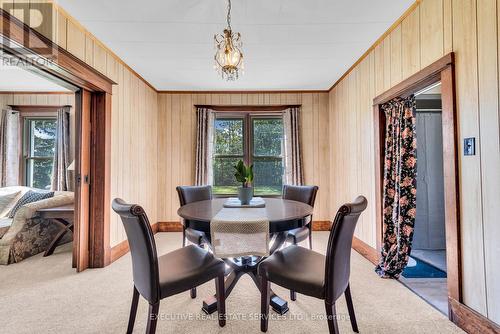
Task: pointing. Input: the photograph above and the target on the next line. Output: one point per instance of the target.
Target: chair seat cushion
(194, 236)
(186, 268)
(296, 268)
(299, 234)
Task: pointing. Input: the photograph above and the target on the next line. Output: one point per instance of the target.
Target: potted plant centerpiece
(244, 175)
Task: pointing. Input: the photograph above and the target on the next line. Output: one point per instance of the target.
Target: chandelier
(228, 55)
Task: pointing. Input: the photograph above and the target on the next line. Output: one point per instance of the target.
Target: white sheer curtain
(60, 179)
(9, 148)
(204, 146)
(292, 147)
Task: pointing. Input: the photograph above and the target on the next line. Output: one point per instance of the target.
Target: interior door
(82, 192)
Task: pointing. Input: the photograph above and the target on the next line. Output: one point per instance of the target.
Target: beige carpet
(44, 295)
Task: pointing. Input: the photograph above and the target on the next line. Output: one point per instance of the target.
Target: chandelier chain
(229, 14)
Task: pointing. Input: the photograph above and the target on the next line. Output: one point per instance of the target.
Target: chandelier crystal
(228, 55)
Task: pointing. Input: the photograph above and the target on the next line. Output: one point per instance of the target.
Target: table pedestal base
(277, 303)
(247, 265)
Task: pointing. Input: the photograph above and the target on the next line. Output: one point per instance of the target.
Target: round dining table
(283, 215)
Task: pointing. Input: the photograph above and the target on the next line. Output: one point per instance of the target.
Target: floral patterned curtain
(400, 186)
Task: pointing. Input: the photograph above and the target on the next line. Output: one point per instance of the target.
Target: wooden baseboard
(119, 250)
(122, 248)
(469, 320)
(366, 250)
(318, 225)
(361, 247)
(169, 227)
(155, 227)
(321, 225)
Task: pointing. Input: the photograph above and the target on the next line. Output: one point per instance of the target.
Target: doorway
(93, 132)
(38, 135)
(438, 74)
(425, 273)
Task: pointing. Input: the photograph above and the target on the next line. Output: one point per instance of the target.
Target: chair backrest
(304, 194)
(189, 194)
(142, 248)
(338, 253)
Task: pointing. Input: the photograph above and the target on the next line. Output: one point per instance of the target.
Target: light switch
(470, 146)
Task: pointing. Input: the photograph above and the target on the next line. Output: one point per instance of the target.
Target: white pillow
(7, 201)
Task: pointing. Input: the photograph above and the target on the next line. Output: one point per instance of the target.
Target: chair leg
(350, 308)
(221, 300)
(183, 236)
(193, 290)
(264, 303)
(293, 294)
(310, 236)
(133, 311)
(331, 314)
(152, 318)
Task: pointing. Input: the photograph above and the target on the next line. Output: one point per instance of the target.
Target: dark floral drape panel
(400, 186)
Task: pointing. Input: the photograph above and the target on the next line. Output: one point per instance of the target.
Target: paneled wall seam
(478, 148)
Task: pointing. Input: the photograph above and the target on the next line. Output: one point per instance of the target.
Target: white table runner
(240, 232)
(234, 202)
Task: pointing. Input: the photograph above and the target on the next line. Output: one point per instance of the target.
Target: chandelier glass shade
(228, 55)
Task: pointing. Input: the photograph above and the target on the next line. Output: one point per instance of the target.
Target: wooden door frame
(440, 71)
(64, 68)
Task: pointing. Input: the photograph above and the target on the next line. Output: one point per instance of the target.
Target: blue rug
(423, 270)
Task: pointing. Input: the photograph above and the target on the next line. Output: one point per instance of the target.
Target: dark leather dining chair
(313, 274)
(304, 194)
(156, 278)
(189, 194)
(307, 195)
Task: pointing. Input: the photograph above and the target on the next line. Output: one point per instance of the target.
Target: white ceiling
(16, 79)
(288, 44)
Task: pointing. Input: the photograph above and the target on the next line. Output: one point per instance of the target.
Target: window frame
(248, 152)
(26, 140)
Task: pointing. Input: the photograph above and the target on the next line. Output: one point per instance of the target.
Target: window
(256, 139)
(38, 151)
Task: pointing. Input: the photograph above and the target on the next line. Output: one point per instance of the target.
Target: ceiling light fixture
(228, 55)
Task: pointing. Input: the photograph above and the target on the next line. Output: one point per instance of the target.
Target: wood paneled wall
(134, 115)
(38, 99)
(176, 141)
(434, 28)
(134, 144)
